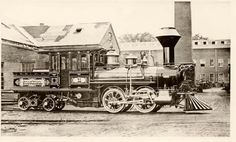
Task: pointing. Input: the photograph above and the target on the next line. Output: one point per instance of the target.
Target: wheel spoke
(114, 95)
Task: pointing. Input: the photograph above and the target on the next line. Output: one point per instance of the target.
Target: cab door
(64, 69)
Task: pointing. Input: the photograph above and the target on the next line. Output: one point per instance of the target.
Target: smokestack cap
(168, 37)
(168, 31)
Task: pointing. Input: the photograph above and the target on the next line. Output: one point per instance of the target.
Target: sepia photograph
(115, 68)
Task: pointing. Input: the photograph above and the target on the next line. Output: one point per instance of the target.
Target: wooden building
(20, 44)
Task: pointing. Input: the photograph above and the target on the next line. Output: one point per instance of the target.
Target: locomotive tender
(92, 77)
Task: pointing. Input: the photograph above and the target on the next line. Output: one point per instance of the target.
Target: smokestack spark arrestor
(168, 38)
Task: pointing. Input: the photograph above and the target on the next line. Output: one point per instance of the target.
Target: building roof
(132, 46)
(16, 34)
(78, 34)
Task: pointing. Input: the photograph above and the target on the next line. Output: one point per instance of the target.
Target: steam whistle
(168, 38)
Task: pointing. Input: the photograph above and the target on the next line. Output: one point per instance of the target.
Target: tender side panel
(31, 79)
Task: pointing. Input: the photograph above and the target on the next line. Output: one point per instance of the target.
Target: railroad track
(48, 121)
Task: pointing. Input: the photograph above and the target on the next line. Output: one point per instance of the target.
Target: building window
(222, 42)
(203, 77)
(211, 62)
(202, 62)
(220, 77)
(220, 62)
(211, 78)
(204, 42)
(196, 43)
(213, 42)
(27, 67)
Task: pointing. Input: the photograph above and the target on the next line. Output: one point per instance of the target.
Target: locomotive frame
(77, 75)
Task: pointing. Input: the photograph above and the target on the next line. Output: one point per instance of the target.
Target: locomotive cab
(74, 69)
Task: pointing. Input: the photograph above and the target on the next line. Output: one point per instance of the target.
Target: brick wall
(8, 69)
(215, 54)
(12, 58)
(17, 54)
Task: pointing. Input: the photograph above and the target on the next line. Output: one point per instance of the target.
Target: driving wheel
(112, 100)
(146, 105)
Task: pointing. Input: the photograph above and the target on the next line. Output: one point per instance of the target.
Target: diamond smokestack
(168, 38)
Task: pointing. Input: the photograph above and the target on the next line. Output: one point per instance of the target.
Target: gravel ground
(169, 121)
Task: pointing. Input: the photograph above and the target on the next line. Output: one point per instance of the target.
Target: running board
(194, 104)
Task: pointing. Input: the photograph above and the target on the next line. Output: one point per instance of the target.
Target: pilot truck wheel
(112, 100)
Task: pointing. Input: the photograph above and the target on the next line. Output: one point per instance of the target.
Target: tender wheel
(24, 103)
(49, 104)
(147, 105)
(60, 105)
(112, 99)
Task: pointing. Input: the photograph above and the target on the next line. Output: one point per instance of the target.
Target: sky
(210, 18)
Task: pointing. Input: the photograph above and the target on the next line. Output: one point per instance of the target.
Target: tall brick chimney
(183, 49)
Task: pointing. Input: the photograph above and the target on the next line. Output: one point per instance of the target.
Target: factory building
(212, 57)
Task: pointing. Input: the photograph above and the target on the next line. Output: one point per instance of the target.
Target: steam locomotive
(93, 78)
